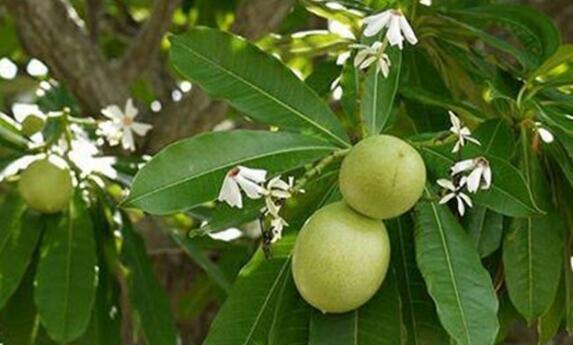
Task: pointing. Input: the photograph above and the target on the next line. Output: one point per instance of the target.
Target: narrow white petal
(546, 135)
(474, 179)
(369, 61)
(408, 31)
(462, 166)
(230, 193)
(487, 178)
(255, 175)
(461, 206)
(130, 109)
(456, 123)
(394, 34)
(374, 24)
(113, 112)
(473, 140)
(447, 184)
(457, 147)
(127, 141)
(426, 2)
(253, 190)
(466, 199)
(141, 128)
(447, 198)
(360, 57)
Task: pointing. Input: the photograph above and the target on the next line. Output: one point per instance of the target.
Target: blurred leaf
(201, 260)
(19, 234)
(549, 323)
(460, 286)
(378, 322)
(564, 55)
(247, 313)
(380, 92)
(191, 172)
(323, 77)
(147, 296)
(431, 98)
(496, 138)
(419, 313)
(253, 82)
(66, 280)
(10, 134)
(485, 228)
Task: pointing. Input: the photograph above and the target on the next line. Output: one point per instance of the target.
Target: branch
(49, 31)
(196, 112)
(94, 12)
(147, 43)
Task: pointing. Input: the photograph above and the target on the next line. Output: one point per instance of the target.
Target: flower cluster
(398, 30)
(241, 179)
(121, 125)
(470, 174)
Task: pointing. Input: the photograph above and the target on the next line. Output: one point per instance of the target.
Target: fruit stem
(317, 169)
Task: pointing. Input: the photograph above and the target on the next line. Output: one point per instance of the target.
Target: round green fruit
(46, 186)
(340, 259)
(32, 124)
(382, 177)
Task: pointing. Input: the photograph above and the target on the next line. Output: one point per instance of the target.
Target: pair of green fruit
(342, 253)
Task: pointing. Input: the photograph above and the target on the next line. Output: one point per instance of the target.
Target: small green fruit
(340, 259)
(32, 124)
(382, 177)
(46, 186)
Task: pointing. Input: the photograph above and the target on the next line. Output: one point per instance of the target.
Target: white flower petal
(465, 165)
(426, 2)
(253, 190)
(487, 178)
(255, 175)
(546, 135)
(466, 199)
(230, 193)
(141, 128)
(456, 123)
(130, 109)
(127, 141)
(375, 23)
(447, 198)
(474, 179)
(447, 184)
(394, 34)
(113, 112)
(408, 31)
(461, 206)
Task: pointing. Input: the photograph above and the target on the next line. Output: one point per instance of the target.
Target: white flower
(279, 189)
(570, 117)
(242, 178)
(462, 133)
(480, 176)
(368, 55)
(86, 155)
(397, 24)
(277, 226)
(122, 125)
(455, 192)
(426, 2)
(544, 133)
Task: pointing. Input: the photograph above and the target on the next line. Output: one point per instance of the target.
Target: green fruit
(32, 124)
(382, 177)
(340, 259)
(46, 186)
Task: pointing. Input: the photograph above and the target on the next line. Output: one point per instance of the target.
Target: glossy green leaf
(460, 286)
(246, 316)
(485, 228)
(147, 297)
(191, 172)
(496, 138)
(532, 250)
(19, 235)
(378, 322)
(431, 98)
(549, 323)
(380, 92)
(66, 279)
(253, 82)
(291, 319)
(419, 312)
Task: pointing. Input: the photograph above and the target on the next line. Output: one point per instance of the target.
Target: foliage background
(124, 55)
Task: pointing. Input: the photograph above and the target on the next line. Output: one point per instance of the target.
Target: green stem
(318, 168)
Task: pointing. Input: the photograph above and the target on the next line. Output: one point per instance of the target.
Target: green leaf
(10, 134)
(419, 313)
(66, 280)
(485, 228)
(562, 56)
(532, 250)
(146, 294)
(380, 92)
(292, 317)
(428, 97)
(246, 316)
(549, 323)
(379, 322)
(202, 260)
(496, 138)
(19, 235)
(253, 82)
(191, 172)
(460, 286)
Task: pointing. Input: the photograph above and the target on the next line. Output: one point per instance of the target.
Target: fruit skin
(382, 177)
(340, 259)
(32, 124)
(45, 186)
